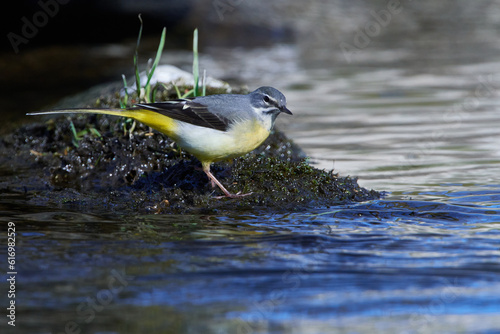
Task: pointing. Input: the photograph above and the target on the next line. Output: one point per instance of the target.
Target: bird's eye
(266, 99)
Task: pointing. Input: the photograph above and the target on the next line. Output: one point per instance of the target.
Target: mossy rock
(111, 168)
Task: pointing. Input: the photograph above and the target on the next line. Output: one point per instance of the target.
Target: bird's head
(268, 102)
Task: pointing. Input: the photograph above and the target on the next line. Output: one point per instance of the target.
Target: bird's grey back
(233, 107)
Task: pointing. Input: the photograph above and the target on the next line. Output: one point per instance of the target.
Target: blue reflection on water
(412, 263)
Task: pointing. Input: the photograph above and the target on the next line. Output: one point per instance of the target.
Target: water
(422, 260)
(385, 266)
(409, 131)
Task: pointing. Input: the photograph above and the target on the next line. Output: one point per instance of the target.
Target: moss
(146, 171)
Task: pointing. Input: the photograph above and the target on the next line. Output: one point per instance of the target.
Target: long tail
(115, 112)
(153, 119)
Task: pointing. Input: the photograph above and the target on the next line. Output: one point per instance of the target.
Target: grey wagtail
(212, 128)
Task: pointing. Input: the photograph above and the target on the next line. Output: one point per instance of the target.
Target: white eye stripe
(272, 101)
(264, 110)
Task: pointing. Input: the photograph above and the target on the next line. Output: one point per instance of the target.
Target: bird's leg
(215, 181)
(209, 177)
(206, 169)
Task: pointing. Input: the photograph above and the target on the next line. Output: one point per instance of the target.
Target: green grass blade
(75, 135)
(136, 57)
(196, 72)
(176, 90)
(191, 91)
(158, 55)
(95, 132)
(125, 84)
(72, 128)
(123, 103)
(204, 84)
(148, 69)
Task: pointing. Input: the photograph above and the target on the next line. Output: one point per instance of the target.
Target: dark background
(81, 43)
(91, 42)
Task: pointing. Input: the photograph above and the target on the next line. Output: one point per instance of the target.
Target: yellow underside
(208, 145)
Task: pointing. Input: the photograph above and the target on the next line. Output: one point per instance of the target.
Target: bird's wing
(186, 110)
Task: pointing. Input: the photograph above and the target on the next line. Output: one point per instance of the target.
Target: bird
(212, 128)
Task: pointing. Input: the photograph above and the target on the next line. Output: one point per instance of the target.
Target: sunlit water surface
(424, 259)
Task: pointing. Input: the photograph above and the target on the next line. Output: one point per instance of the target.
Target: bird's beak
(285, 110)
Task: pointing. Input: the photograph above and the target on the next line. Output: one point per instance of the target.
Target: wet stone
(110, 168)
